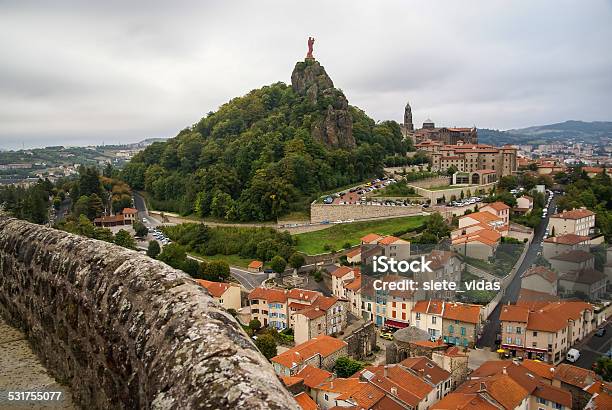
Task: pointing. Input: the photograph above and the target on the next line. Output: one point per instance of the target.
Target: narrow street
(512, 291)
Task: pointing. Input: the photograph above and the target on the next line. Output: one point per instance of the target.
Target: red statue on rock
(310, 45)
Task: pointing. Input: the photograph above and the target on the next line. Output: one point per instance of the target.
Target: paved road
(140, 204)
(593, 347)
(247, 279)
(511, 292)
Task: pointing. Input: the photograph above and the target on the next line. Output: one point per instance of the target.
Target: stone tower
(408, 118)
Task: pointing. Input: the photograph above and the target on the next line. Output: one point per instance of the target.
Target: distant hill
(589, 132)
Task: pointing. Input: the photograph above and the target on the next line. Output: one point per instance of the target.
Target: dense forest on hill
(256, 157)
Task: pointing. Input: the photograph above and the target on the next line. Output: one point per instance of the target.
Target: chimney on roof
(483, 386)
(394, 390)
(504, 371)
(386, 371)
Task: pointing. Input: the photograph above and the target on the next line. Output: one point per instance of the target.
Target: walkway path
(21, 371)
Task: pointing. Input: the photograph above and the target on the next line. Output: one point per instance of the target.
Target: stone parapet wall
(334, 212)
(125, 331)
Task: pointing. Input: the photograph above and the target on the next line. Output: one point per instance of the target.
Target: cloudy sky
(121, 71)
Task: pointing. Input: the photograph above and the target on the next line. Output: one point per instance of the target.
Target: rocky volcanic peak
(335, 129)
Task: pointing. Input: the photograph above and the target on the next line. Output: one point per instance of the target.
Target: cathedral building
(449, 136)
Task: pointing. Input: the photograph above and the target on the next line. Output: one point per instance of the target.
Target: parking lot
(357, 194)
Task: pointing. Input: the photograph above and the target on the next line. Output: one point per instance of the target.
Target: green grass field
(232, 260)
(312, 243)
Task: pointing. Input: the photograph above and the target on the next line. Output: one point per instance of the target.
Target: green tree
(123, 238)
(81, 206)
(173, 254)
(297, 260)
(255, 324)
(140, 229)
(346, 367)
(603, 367)
(217, 271)
(103, 234)
(266, 345)
(278, 264)
(153, 249)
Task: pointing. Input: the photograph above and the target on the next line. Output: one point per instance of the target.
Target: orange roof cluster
(567, 239)
(389, 387)
(303, 296)
(464, 401)
(574, 214)
(129, 211)
(485, 236)
(549, 317)
(541, 271)
(530, 379)
(593, 170)
(354, 252)
(322, 345)
(216, 289)
(500, 387)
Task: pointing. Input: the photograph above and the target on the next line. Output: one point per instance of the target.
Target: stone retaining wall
(125, 331)
(334, 212)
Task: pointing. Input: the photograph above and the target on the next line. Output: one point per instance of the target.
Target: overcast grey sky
(121, 71)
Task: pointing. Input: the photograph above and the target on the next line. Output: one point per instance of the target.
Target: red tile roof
(371, 237)
(322, 345)
(574, 375)
(514, 313)
(574, 214)
(464, 401)
(541, 271)
(567, 239)
(498, 206)
(501, 387)
(341, 271)
(576, 255)
(268, 294)
(306, 402)
(216, 289)
(314, 376)
(426, 369)
(255, 264)
(129, 211)
(462, 312)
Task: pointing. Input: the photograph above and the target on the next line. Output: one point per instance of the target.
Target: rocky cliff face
(335, 128)
(125, 331)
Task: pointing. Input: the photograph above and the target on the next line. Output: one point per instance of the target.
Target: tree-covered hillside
(258, 156)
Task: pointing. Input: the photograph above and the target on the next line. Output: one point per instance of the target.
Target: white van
(572, 355)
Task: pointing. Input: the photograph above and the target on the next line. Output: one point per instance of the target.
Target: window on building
(463, 331)
(418, 316)
(518, 330)
(535, 334)
(433, 320)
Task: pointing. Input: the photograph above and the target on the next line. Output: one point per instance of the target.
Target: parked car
(572, 355)
(600, 332)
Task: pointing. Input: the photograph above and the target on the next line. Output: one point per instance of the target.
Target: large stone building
(545, 331)
(445, 135)
(577, 221)
(470, 158)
